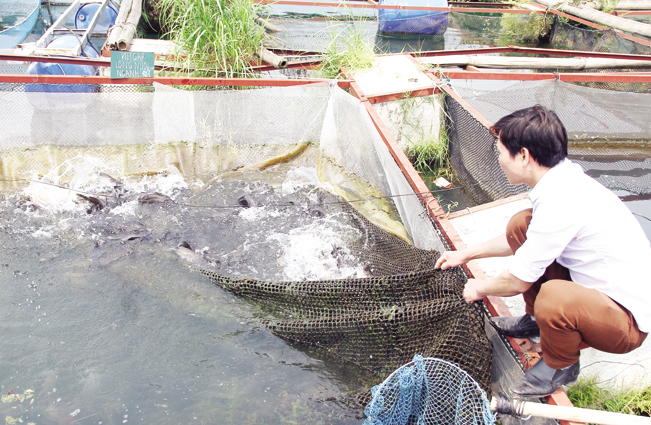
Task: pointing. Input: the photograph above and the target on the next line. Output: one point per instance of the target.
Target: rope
(5, 179)
(512, 407)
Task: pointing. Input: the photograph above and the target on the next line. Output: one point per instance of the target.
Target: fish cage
(120, 207)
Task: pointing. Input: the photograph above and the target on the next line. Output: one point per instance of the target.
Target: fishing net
(18, 20)
(429, 391)
(377, 322)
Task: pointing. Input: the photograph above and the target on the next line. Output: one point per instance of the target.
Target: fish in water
(245, 201)
(95, 203)
(154, 198)
(185, 251)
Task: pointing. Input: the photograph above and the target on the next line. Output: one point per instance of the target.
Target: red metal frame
(532, 50)
(180, 81)
(494, 304)
(612, 77)
(360, 5)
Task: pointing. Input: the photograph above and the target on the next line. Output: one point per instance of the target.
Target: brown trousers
(569, 314)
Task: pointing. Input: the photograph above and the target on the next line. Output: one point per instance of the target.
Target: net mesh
(474, 157)
(608, 133)
(564, 35)
(431, 391)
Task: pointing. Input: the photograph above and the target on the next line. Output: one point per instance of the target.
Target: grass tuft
(348, 49)
(217, 37)
(428, 146)
(586, 394)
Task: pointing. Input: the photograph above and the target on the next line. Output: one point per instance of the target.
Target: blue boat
(419, 22)
(18, 20)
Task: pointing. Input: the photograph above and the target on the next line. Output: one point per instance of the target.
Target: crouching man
(580, 258)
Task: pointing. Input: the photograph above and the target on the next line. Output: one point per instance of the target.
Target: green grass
(524, 29)
(348, 49)
(586, 394)
(431, 154)
(428, 146)
(218, 37)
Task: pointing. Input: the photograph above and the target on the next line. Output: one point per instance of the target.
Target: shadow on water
(389, 43)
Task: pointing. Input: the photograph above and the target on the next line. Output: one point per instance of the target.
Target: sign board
(132, 64)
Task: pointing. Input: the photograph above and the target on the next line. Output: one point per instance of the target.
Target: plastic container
(421, 22)
(37, 93)
(86, 12)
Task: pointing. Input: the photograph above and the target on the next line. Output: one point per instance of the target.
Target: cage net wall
(320, 28)
(608, 134)
(401, 307)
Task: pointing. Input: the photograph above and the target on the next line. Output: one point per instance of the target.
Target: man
(580, 258)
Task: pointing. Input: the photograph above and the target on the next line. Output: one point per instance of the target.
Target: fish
(245, 201)
(185, 251)
(263, 165)
(96, 203)
(154, 198)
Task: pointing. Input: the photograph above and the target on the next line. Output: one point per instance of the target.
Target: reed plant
(587, 394)
(348, 49)
(215, 37)
(428, 145)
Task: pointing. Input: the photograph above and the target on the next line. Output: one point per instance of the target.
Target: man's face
(512, 165)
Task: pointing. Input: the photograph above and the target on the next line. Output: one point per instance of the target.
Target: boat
(17, 20)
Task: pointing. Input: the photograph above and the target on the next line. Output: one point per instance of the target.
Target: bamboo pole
(566, 413)
(116, 29)
(272, 58)
(633, 5)
(602, 18)
(534, 63)
(129, 29)
(622, 5)
(266, 24)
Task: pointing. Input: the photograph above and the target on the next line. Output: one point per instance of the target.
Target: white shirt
(588, 229)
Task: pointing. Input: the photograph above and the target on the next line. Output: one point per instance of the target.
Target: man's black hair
(538, 129)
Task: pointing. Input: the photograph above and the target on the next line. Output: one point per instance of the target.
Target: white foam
(126, 209)
(85, 175)
(299, 178)
(258, 213)
(75, 175)
(169, 184)
(316, 251)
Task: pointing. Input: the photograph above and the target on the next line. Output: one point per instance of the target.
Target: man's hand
(450, 259)
(471, 292)
(502, 285)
